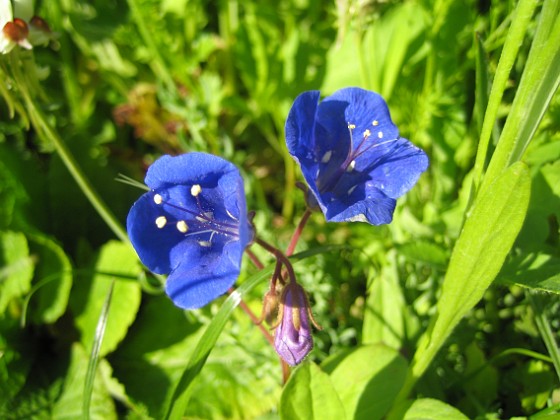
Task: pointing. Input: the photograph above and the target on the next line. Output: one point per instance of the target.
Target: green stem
(45, 130)
(538, 303)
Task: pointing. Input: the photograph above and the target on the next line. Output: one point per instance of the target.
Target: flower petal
(204, 275)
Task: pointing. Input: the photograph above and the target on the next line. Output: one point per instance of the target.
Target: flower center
(330, 175)
(199, 223)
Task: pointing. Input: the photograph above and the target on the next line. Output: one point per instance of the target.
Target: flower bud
(292, 338)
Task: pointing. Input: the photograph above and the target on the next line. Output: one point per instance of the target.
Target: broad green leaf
(16, 267)
(161, 338)
(486, 239)
(69, 405)
(15, 363)
(117, 261)
(367, 380)
(53, 280)
(383, 315)
(310, 394)
(429, 408)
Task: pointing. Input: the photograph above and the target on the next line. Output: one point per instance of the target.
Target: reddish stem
(254, 259)
(297, 233)
(255, 320)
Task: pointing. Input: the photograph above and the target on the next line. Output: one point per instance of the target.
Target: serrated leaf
(310, 394)
(429, 408)
(367, 380)
(16, 267)
(53, 280)
(116, 261)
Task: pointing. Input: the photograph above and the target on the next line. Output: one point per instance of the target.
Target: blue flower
(351, 154)
(192, 225)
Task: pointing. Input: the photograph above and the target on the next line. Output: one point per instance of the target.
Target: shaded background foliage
(124, 82)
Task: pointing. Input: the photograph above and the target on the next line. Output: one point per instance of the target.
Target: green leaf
(69, 405)
(116, 261)
(429, 408)
(367, 380)
(16, 267)
(424, 252)
(310, 394)
(385, 307)
(486, 239)
(53, 280)
(534, 271)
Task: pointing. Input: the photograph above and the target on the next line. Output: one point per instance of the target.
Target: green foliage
(449, 312)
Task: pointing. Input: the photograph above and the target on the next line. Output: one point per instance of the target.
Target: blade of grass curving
(516, 34)
(182, 393)
(95, 349)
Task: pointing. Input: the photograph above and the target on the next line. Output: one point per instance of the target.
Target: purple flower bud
(292, 338)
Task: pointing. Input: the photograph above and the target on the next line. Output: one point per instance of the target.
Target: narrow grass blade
(95, 351)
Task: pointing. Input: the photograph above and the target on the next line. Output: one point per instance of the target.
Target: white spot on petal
(326, 157)
(380, 134)
(158, 199)
(358, 218)
(195, 190)
(182, 226)
(161, 221)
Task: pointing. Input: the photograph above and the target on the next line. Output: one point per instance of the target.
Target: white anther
(205, 216)
(182, 226)
(205, 244)
(161, 221)
(351, 166)
(326, 157)
(158, 199)
(195, 190)
(367, 133)
(375, 123)
(351, 126)
(380, 134)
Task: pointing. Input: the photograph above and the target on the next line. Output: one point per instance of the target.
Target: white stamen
(375, 123)
(380, 134)
(351, 126)
(351, 166)
(351, 190)
(326, 157)
(367, 133)
(182, 226)
(205, 244)
(158, 199)
(161, 221)
(195, 190)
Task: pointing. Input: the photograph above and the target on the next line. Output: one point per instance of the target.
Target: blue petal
(300, 126)
(396, 169)
(151, 244)
(375, 207)
(205, 274)
(189, 168)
